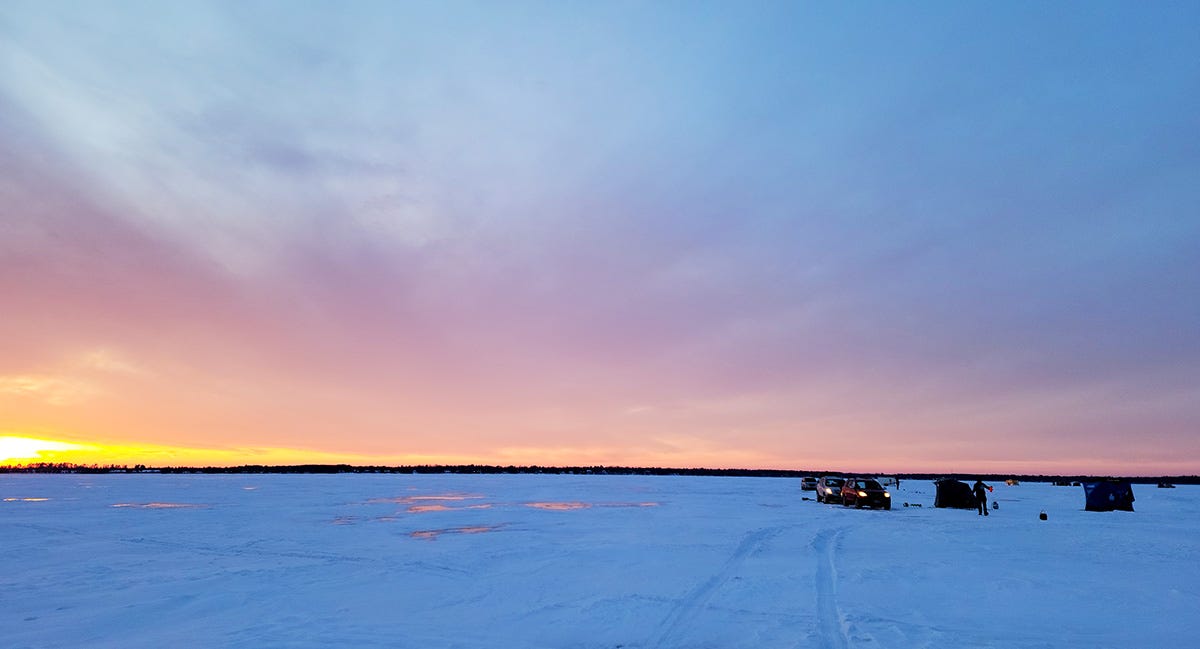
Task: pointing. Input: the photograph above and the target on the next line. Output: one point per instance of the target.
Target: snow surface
(520, 561)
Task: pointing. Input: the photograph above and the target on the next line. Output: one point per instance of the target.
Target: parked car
(865, 491)
(808, 483)
(829, 489)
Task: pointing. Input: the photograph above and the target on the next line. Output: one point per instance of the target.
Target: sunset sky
(854, 236)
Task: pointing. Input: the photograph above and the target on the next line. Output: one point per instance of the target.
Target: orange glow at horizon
(20, 450)
(17, 450)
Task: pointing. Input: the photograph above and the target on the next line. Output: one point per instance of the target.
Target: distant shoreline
(480, 469)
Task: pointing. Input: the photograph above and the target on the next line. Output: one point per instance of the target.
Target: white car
(829, 489)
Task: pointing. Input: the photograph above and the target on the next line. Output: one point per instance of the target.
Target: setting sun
(15, 449)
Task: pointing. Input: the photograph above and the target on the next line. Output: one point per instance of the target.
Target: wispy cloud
(112, 362)
(52, 390)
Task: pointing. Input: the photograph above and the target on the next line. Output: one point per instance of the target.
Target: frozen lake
(523, 561)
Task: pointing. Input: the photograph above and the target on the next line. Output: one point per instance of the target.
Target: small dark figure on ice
(981, 491)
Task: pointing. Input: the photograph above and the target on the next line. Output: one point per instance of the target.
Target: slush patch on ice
(416, 509)
(420, 509)
(162, 505)
(409, 500)
(432, 535)
(558, 506)
(567, 506)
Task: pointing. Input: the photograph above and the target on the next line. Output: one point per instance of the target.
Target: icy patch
(568, 506)
(410, 500)
(421, 509)
(417, 509)
(558, 507)
(432, 535)
(162, 505)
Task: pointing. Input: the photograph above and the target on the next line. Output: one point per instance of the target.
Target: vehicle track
(829, 618)
(693, 603)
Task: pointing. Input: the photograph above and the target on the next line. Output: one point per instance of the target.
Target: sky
(857, 236)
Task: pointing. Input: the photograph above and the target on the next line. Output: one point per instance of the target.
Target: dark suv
(829, 489)
(808, 483)
(865, 491)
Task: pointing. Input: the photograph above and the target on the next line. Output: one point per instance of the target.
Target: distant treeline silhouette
(63, 467)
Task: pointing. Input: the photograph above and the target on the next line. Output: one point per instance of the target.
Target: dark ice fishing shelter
(1108, 495)
(952, 493)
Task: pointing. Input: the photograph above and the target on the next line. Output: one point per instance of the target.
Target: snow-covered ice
(524, 561)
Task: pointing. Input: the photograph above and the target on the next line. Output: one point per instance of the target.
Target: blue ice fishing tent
(1108, 495)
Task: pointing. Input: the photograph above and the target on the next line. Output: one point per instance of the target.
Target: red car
(865, 491)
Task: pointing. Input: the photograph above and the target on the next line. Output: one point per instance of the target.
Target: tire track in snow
(829, 619)
(694, 602)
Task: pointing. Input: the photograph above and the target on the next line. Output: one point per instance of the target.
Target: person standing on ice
(981, 490)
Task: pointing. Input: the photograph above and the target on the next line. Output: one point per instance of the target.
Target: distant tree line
(65, 467)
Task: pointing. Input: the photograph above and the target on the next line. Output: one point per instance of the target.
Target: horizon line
(41, 467)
